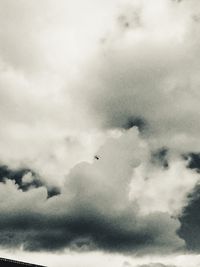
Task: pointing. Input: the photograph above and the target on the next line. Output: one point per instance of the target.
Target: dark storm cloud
(190, 221)
(90, 232)
(82, 232)
(190, 218)
(17, 176)
(53, 191)
(193, 161)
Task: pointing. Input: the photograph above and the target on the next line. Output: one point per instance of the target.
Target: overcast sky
(99, 139)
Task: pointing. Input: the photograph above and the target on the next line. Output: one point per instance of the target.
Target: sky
(99, 139)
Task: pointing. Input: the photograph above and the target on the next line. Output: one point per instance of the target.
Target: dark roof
(12, 263)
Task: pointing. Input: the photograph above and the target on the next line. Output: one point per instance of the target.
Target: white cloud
(27, 178)
(165, 190)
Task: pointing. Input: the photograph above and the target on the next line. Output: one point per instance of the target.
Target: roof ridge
(19, 262)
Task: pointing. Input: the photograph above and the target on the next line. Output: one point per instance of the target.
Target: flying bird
(96, 157)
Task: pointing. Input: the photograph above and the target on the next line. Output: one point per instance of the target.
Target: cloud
(42, 46)
(93, 211)
(139, 74)
(161, 157)
(193, 161)
(25, 179)
(127, 91)
(166, 189)
(190, 219)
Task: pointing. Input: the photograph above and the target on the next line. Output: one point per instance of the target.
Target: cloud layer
(93, 211)
(100, 125)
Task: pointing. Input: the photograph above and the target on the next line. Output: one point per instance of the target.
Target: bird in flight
(96, 157)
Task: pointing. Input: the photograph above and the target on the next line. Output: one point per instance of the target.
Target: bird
(96, 157)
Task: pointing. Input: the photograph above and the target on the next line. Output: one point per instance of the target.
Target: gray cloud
(160, 157)
(85, 229)
(190, 221)
(86, 232)
(139, 76)
(25, 179)
(193, 160)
